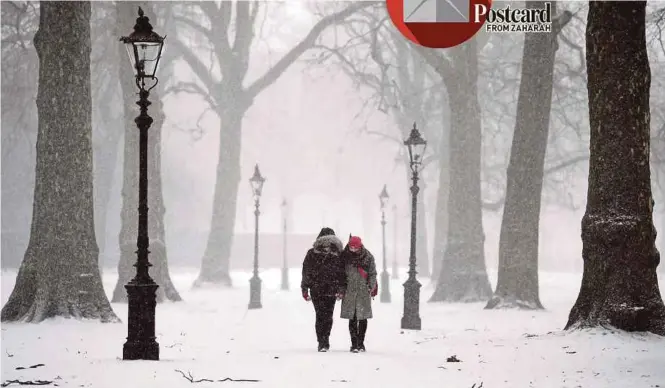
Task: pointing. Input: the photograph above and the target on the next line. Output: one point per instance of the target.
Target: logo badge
(438, 23)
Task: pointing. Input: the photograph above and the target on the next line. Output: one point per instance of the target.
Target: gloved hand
(374, 291)
(305, 295)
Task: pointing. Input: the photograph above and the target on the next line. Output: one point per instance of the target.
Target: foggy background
(308, 133)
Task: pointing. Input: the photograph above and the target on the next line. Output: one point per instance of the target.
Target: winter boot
(354, 341)
(362, 329)
(323, 347)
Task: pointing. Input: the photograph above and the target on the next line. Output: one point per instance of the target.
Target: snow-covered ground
(213, 336)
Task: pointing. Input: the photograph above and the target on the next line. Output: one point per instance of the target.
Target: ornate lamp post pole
(395, 274)
(255, 282)
(144, 47)
(285, 264)
(411, 318)
(385, 276)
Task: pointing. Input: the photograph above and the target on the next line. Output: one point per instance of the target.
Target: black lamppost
(285, 264)
(395, 274)
(411, 319)
(144, 47)
(385, 276)
(255, 282)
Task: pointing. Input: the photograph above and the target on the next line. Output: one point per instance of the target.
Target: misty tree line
(465, 99)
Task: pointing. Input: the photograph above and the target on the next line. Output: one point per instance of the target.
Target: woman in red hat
(361, 287)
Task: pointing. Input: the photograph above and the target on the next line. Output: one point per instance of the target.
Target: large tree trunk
(59, 275)
(463, 276)
(129, 213)
(619, 285)
(215, 264)
(517, 282)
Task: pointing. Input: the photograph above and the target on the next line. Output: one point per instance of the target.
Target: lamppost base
(285, 279)
(141, 304)
(411, 318)
(385, 287)
(141, 350)
(254, 293)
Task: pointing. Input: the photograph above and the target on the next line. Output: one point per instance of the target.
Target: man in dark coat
(323, 276)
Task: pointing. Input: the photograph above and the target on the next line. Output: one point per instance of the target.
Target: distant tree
(59, 275)
(463, 276)
(127, 13)
(107, 109)
(230, 29)
(619, 284)
(517, 283)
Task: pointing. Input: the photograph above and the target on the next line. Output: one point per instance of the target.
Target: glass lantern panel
(419, 151)
(132, 56)
(148, 54)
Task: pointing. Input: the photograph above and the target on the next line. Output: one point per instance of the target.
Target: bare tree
(463, 274)
(59, 275)
(129, 215)
(619, 285)
(230, 98)
(517, 283)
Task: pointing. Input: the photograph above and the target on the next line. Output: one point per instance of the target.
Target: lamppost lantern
(416, 146)
(257, 182)
(144, 47)
(383, 197)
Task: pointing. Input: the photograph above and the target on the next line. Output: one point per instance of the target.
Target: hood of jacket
(326, 244)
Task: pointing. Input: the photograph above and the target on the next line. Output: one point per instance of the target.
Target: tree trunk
(422, 251)
(619, 284)
(215, 264)
(59, 275)
(127, 12)
(105, 153)
(517, 282)
(441, 215)
(463, 276)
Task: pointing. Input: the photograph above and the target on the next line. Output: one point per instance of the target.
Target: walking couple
(331, 272)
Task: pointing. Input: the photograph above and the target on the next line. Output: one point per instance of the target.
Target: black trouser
(324, 305)
(357, 329)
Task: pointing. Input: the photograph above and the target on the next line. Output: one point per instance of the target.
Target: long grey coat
(357, 300)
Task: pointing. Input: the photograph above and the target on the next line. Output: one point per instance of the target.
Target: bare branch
(194, 62)
(283, 63)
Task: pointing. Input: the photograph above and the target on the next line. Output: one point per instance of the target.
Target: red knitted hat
(355, 242)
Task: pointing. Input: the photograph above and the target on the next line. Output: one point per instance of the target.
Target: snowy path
(214, 336)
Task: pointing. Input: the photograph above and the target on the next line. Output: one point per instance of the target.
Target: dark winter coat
(357, 300)
(323, 268)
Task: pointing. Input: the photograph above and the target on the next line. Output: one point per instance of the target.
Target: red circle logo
(438, 23)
